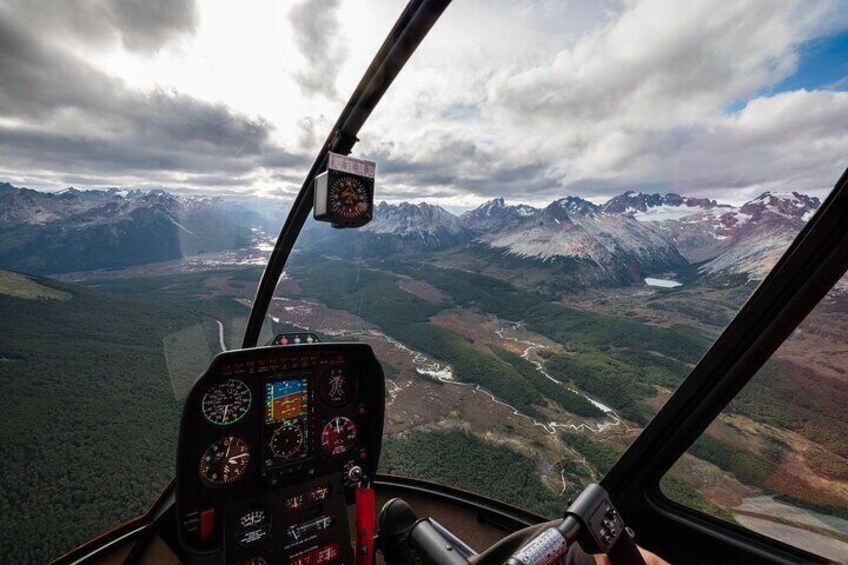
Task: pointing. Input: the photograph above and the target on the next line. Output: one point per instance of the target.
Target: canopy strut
(409, 31)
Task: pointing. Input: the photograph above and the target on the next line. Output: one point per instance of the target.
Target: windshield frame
(406, 35)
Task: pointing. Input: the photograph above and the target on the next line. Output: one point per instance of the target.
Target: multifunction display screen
(286, 419)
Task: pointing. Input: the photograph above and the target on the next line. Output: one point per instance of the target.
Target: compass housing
(344, 193)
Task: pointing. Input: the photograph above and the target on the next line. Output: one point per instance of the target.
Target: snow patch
(663, 283)
(663, 213)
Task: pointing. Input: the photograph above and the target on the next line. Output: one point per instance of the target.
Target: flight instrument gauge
(348, 197)
(344, 193)
(253, 526)
(338, 436)
(287, 440)
(225, 461)
(226, 403)
(336, 387)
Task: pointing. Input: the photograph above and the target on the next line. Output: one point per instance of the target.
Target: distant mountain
(729, 240)
(76, 230)
(695, 238)
(599, 247)
(396, 228)
(571, 242)
(495, 215)
(656, 206)
(6, 188)
(758, 233)
(423, 227)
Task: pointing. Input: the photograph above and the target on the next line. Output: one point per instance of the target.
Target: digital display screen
(286, 399)
(286, 419)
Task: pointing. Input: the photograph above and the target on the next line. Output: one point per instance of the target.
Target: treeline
(90, 422)
(568, 326)
(569, 400)
(461, 459)
(601, 455)
(750, 467)
(683, 493)
(620, 385)
(375, 296)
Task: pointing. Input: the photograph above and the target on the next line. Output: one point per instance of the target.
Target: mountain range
(571, 239)
(582, 243)
(76, 230)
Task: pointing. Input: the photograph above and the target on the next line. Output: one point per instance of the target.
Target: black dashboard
(269, 446)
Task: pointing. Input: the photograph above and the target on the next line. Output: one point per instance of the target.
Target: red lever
(365, 525)
(207, 523)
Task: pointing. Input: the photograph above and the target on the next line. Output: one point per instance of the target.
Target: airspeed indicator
(226, 403)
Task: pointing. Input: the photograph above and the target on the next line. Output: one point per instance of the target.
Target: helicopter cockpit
(270, 481)
(555, 383)
(273, 475)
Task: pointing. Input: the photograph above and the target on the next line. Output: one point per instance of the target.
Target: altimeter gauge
(225, 461)
(226, 403)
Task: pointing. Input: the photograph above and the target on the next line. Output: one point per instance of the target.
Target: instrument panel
(267, 440)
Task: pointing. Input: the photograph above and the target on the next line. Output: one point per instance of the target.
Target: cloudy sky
(529, 100)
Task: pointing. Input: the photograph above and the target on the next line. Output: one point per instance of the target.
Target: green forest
(617, 360)
(98, 371)
(90, 436)
(463, 460)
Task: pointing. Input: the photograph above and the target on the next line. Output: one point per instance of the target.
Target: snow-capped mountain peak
(496, 214)
(790, 205)
(574, 205)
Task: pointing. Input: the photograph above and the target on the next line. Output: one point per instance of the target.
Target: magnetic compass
(344, 193)
(348, 198)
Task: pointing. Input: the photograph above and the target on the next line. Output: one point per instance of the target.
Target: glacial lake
(664, 283)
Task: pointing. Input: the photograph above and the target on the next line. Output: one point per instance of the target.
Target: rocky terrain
(572, 240)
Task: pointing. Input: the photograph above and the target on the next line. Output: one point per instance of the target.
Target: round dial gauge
(338, 436)
(348, 197)
(253, 527)
(225, 461)
(287, 440)
(336, 387)
(226, 403)
(252, 518)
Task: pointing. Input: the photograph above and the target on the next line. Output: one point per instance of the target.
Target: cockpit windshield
(572, 201)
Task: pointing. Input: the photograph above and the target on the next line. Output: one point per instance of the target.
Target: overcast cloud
(315, 24)
(64, 116)
(527, 100)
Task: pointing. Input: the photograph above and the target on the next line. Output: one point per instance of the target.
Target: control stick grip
(594, 523)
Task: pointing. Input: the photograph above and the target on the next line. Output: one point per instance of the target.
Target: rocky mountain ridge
(74, 230)
(615, 242)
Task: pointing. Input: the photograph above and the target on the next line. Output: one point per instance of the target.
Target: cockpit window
(775, 460)
(512, 375)
(573, 200)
